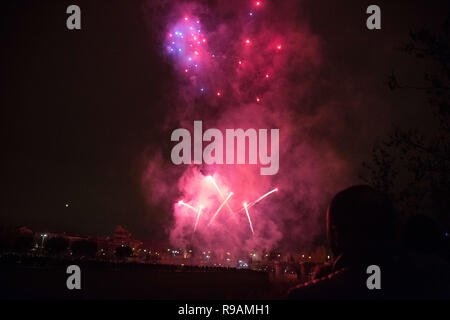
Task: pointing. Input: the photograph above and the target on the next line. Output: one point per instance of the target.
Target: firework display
(224, 201)
(206, 54)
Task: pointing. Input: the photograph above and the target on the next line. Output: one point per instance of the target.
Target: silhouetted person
(361, 230)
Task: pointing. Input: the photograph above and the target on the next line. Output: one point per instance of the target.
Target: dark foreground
(37, 278)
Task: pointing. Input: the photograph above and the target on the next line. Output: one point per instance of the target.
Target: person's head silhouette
(360, 224)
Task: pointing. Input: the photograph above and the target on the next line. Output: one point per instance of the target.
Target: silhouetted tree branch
(413, 166)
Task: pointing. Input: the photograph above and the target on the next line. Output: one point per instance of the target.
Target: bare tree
(413, 166)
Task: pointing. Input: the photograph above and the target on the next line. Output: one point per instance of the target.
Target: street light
(43, 236)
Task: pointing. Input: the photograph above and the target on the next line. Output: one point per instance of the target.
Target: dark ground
(21, 279)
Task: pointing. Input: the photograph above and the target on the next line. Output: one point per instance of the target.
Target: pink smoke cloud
(263, 83)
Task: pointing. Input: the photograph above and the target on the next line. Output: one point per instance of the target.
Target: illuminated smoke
(248, 216)
(243, 65)
(220, 208)
(198, 217)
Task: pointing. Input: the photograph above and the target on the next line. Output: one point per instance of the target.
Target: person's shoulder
(326, 287)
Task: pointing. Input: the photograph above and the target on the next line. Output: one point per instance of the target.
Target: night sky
(82, 110)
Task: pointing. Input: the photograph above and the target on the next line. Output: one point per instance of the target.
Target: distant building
(121, 236)
(106, 245)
